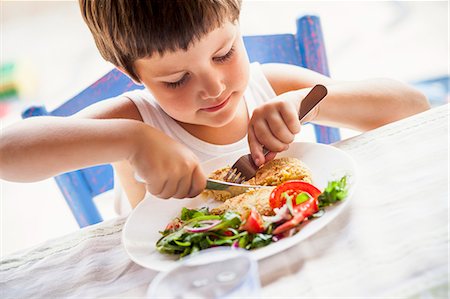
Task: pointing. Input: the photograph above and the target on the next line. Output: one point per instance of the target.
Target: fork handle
(312, 99)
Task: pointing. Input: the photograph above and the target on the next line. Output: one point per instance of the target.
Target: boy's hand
(274, 126)
(169, 168)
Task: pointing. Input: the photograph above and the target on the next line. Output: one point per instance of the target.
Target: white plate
(141, 230)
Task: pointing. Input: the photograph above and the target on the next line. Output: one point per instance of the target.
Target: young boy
(202, 100)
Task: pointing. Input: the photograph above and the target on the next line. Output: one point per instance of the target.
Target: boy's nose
(212, 88)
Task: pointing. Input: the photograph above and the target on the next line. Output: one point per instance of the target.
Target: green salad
(293, 203)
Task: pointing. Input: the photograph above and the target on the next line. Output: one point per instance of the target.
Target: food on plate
(243, 203)
(281, 170)
(272, 173)
(250, 222)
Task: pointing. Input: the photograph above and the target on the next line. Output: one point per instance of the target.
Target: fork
(244, 168)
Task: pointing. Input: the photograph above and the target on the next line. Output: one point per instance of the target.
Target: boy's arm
(121, 107)
(360, 105)
(41, 147)
(108, 132)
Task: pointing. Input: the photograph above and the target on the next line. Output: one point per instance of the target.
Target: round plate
(141, 230)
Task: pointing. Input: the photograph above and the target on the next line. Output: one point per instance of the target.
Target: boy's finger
(290, 119)
(198, 182)
(183, 187)
(169, 190)
(255, 147)
(266, 138)
(279, 128)
(155, 188)
(269, 157)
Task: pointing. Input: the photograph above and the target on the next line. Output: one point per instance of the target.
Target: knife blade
(216, 185)
(232, 188)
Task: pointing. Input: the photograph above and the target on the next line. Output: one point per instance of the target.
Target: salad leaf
(334, 192)
(184, 241)
(243, 240)
(261, 240)
(187, 214)
(229, 220)
(198, 229)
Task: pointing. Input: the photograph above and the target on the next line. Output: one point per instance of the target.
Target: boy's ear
(128, 75)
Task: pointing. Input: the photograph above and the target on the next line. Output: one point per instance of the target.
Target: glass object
(220, 272)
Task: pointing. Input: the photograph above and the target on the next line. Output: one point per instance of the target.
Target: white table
(391, 241)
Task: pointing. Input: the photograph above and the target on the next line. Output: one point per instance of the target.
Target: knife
(232, 188)
(216, 185)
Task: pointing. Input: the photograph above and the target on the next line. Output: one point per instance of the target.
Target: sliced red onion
(235, 244)
(280, 215)
(206, 225)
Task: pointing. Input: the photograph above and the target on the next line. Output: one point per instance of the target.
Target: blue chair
(436, 89)
(305, 48)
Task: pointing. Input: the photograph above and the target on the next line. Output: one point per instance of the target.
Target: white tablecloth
(391, 241)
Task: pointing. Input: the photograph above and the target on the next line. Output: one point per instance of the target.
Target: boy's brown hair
(126, 30)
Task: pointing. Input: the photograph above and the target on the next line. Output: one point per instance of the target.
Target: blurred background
(47, 56)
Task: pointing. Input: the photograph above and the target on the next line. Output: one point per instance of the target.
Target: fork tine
(237, 177)
(229, 174)
(234, 176)
(241, 179)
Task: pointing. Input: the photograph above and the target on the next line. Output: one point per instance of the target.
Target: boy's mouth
(217, 107)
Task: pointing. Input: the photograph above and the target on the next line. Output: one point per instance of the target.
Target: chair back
(305, 48)
(81, 186)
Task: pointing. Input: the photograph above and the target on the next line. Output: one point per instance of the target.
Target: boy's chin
(212, 122)
(222, 120)
(216, 123)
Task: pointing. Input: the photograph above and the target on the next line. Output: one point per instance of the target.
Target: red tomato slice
(254, 223)
(292, 188)
(302, 211)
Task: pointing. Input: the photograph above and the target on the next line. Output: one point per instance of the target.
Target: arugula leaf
(229, 219)
(261, 240)
(187, 214)
(334, 192)
(243, 241)
(184, 243)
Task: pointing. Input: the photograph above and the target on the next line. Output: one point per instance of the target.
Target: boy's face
(204, 84)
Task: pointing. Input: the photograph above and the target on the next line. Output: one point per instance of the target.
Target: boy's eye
(225, 57)
(178, 83)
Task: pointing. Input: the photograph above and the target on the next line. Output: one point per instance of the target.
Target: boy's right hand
(169, 168)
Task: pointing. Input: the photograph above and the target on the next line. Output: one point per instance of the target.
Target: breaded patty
(273, 173)
(243, 203)
(219, 174)
(220, 195)
(280, 170)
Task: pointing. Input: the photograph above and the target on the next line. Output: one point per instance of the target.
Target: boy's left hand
(273, 126)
